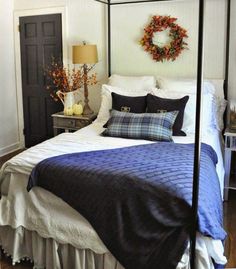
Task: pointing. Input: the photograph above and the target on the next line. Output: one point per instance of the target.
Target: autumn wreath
(172, 49)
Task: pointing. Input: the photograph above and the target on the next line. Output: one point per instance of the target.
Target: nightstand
(230, 146)
(70, 123)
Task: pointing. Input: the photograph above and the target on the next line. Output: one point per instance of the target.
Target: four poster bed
(86, 200)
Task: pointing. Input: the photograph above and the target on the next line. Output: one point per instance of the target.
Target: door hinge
(24, 131)
(18, 27)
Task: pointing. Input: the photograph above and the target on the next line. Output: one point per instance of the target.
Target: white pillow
(190, 109)
(175, 84)
(207, 113)
(219, 87)
(132, 82)
(212, 86)
(185, 85)
(106, 104)
(219, 106)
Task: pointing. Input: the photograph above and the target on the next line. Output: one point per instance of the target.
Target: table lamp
(85, 54)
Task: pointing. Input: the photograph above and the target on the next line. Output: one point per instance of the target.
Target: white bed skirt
(22, 244)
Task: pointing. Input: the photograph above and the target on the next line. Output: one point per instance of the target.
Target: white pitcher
(68, 100)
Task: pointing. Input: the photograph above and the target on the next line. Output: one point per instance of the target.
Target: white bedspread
(47, 214)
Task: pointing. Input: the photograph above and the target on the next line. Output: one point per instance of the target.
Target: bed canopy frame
(197, 148)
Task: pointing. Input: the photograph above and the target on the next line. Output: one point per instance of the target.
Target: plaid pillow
(150, 126)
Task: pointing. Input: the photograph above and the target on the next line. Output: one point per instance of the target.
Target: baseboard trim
(9, 149)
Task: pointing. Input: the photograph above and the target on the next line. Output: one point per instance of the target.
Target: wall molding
(9, 149)
(33, 12)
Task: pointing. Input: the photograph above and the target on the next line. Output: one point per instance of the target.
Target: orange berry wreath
(172, 49)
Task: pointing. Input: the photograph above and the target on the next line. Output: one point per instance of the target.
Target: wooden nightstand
(70, 123)
(230, 146)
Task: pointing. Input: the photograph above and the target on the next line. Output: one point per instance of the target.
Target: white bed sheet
(88, 139)
(41, 211)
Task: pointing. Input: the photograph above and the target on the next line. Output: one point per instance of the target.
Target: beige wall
(9, 138)
(232, 67)
(128, 24)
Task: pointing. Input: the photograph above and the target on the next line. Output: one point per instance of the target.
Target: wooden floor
(7, 157)
(5, 263)
(230, 227)
(229, 224)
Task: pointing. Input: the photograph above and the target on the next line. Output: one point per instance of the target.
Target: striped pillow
(149, 126)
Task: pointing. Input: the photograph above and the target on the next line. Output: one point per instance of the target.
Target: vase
(68, 99)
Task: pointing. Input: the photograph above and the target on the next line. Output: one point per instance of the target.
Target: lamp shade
(85, 54)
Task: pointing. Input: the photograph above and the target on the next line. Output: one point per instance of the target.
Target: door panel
(41, 40)
(32, 72)
(48, 50)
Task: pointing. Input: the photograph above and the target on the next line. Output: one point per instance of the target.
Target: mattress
(51, 217)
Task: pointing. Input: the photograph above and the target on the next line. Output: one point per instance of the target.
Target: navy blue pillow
(157, 104)
(150, 126)
(137, 104)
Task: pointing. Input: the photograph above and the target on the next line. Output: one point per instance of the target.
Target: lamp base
(87, 110)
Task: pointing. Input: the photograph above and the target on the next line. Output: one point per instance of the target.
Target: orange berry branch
(60, 78)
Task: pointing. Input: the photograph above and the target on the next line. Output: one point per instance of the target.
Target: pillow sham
(106, 103)
(207, 113)
(215, 87)
(136, 104)
(149, 126)
(188, 85)
(190, 110)
(157, 104)
(138, 83)
(219, 106)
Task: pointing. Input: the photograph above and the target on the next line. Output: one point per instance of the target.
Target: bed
(40, 226)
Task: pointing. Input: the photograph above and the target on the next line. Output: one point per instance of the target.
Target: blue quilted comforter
(138, 198)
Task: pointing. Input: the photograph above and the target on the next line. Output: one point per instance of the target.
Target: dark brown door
(40, 40)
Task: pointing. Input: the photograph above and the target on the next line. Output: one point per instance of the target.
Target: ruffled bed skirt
(22, 244)
(47, 253)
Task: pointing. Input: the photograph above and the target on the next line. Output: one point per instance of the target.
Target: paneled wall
(9, 138)
(232, 67)
(128, 23)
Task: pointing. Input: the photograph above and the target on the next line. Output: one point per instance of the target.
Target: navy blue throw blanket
(138, 199)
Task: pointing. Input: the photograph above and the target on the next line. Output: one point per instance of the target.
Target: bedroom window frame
(197, 142)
